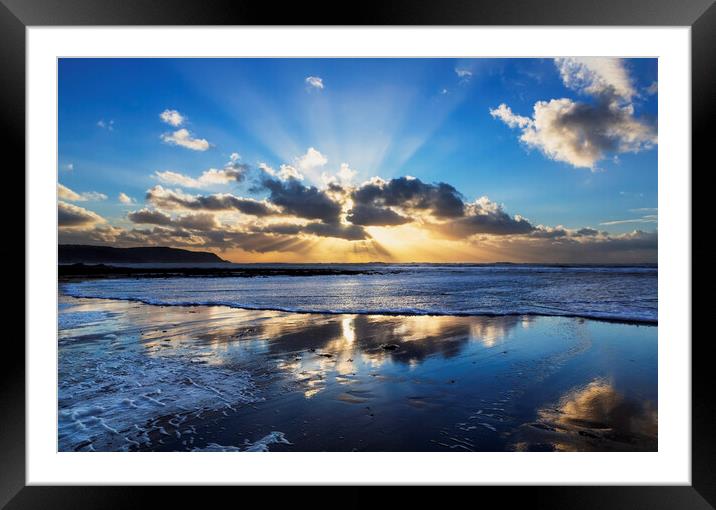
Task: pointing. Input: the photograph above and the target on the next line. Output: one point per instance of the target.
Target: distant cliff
(74, 253)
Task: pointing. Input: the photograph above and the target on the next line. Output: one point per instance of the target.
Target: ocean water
(599, 292)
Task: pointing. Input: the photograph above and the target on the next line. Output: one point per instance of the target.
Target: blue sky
(436, 120)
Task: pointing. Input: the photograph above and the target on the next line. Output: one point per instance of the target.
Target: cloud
(310, 161)
(370, 215)
(484, 217)
(183, 138)
(581, 134)
(344, 176)
(125, 199)
(150, 217)
(570, 246)
(176, 199)
(284, 172)
(653, 88)
(69, 167)
(200, 221)
(208, 178)
(463, 73)
(73, 216)
(308, 164)
(320, 229)
(65, 193)
(172, 117)
(408, 193)
(93, 196)
(597, 76)
(648, 218)
(504, 113)
(587, 232)
(108, 125)
(302, 201)
(315, 82)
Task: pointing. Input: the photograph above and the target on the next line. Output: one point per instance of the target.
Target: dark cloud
(72, 216)
(337, 230)
(302, 201)
(496, 224)
(236, 171)
(587, 232)
(483, 217)
(169, 199)
(199, 221)
(366, 214)
(348, 232)
(441, 199)
(149, 217)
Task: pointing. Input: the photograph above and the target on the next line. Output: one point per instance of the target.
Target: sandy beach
(140, 377)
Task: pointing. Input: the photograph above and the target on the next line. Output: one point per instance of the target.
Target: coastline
(296, 382)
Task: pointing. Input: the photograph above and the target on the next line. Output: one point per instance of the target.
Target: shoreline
(147, 270)
(387, 313)
(86, 271)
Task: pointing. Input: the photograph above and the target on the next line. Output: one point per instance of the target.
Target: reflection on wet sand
(153, 374)
(346, 344)
(593, 417)
(309, 347)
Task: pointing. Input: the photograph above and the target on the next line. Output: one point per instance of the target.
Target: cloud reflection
(593, 417)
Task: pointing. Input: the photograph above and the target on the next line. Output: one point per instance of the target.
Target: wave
(398, 311)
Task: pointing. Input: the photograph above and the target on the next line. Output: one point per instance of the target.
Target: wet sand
(168, 378)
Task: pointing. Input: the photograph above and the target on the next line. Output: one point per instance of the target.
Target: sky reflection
(345, 382)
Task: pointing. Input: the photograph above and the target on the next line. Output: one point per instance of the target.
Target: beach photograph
(357, 254)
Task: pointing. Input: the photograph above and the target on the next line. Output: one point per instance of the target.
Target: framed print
(421, 246)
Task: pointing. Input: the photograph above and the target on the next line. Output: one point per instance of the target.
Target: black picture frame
(16, 15)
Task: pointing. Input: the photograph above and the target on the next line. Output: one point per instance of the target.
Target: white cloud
(108, 125)
(234, 157)
(597, 76)
(289, 172)
(65, 193)
(284, 172)
(344, 176)
(93, 196)
(315, 82)
(653, 88)
(208, 178)
(648, 218)
(183, 138)
(126, 199)
(463, 74)
(172, 117)
(312, 160)
(582, 134)
(504, 113)
(69, 167)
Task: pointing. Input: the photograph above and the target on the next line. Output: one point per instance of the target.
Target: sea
(618, 293)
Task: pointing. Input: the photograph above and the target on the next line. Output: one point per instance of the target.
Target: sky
(358, 160)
